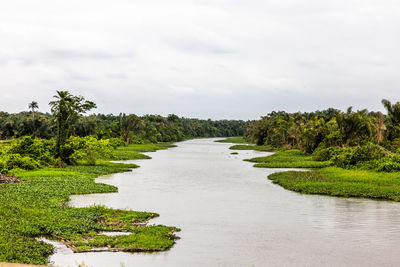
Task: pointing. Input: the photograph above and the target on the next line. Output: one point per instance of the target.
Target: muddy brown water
(232, 215)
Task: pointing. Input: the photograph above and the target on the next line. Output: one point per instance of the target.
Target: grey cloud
(78, 55)
(196, 45)
(118, 76)
(206, 58)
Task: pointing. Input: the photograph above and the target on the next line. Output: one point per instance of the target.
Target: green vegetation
(234, 153)
(235, 140)
(54, 156)
(335, 181)
(131, 128)
(363, 146)
(288, 159)
(30, 154)
(34, 208)
(252, 147)
(65, 108)
(132, 151)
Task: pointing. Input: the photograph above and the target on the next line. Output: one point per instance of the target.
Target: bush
(360, 155)
(29, 153)
(343, 158)
(116, 142)
(368, 152)
(38, 149)
(3, 166)
(386, 164)
(323, 154)
(86, 148)
(17, 161)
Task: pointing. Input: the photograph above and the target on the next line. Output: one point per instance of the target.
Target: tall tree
(33, 105)
(128, 124)
(356, 127)
(380, 127)
(393, 118)
(65, 107)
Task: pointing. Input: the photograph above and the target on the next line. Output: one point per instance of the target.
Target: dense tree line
(310, 131)
(130, 127)
(66, 136)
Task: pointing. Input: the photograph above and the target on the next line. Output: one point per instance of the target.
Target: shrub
(3, 165)
(87, 148)
(360, 155)
(116, 142)
(343, 157)
(38, 149)
(17, 161)
(386, 164)
(323, 154)
(368, 152)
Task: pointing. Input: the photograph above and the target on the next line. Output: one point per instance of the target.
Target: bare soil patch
(4, 179)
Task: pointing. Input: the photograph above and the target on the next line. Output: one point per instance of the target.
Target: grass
(36, 207)
(252, 147)
(243, 144)
(339, 182)
(327, 180)
(133, 151)
(288, 159)
(235, 140)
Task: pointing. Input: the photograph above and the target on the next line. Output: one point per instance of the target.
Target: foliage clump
(29, 154)
(349, 157)
(87, 148)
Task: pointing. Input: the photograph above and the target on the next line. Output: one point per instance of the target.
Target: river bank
(35, 207)
(326, 180)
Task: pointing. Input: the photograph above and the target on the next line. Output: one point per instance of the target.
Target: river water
(232, 215)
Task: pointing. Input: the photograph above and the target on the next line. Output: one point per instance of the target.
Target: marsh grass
(288, 159)
(36, 207)
(235, 140)
(335, 181)
(133, 151)
(252, 147)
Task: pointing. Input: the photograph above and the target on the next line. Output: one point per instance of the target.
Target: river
(232, 215)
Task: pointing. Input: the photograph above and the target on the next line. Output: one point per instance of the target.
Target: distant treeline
(329, 128)
(131, 128)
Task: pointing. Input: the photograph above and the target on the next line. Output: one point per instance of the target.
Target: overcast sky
(201, 58)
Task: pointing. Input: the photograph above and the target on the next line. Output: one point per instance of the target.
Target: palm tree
(355, 127)
(380, 127)
(64, 108)
(33, 105)
(393, 118)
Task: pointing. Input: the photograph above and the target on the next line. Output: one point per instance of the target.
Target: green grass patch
(252, 147)
(36, 207)
(235, 140)
(297, 164)
(149, 238)
(339, 182)
(234, 153)
(133, 151)
(288, 159)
